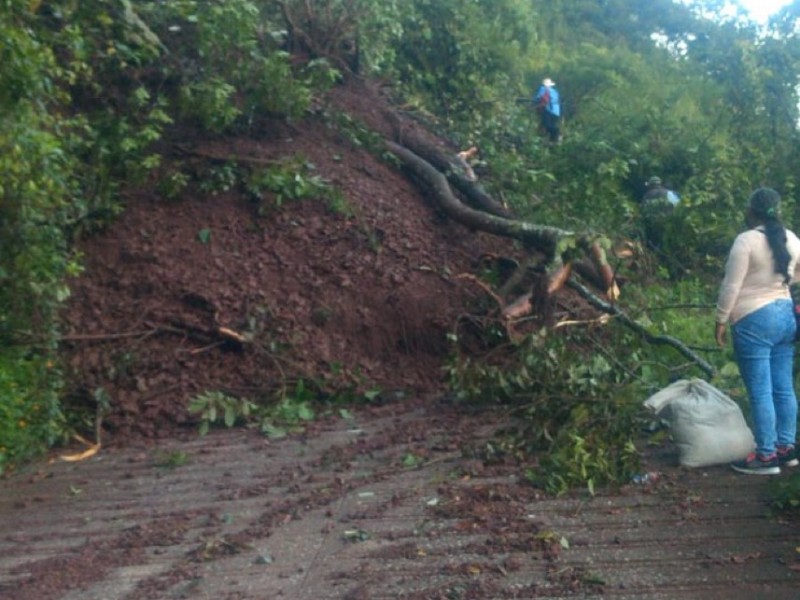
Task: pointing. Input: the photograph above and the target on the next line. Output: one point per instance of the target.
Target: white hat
(548, 82)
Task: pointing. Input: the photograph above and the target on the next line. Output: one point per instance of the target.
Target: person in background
(754, 299)
(548, 103)
(656, 190)
(656, 206)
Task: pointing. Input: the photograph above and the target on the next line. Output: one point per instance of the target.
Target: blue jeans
(763, 342)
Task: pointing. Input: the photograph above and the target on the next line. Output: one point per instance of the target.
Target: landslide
(218, 292)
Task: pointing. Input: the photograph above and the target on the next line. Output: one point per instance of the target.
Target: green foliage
(204, 235)
(211, 102)
(171, 460)
(216, 407)
(577, 396)
(285, 410)
(173, 183)
(57, 167)
(356, 132)
(785, 494)
(440, 64)
(220, 178)
(237, 69)
(289, 410)
(34, 260)
(292, 410)
(293, 179)
(575, 415)
(411, 460)
(683, 310)
(30, 415)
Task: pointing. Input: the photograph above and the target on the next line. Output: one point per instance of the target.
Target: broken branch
(633, 325)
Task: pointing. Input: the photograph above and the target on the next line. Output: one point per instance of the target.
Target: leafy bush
(30, 417)
(292, 179)
(34, 257)
(287, 412)
(237, 70)
(577, 392)
(575, 416)
(215, 406)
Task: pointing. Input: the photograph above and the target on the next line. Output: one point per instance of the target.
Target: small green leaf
(305, 412)
(372, 394)
(411, 460)
(273, 431)
(230, 415)
(355, 535)
(204, 235)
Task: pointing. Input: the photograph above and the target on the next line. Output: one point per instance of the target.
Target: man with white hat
(548, 104)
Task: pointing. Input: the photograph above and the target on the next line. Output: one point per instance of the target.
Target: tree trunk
(448, 166)
(539, 237)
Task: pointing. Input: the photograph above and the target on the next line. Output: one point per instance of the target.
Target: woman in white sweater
(754, 299)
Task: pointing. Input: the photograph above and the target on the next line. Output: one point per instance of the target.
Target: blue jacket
(547, 97)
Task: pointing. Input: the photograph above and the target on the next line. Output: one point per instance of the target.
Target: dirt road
(383, 505)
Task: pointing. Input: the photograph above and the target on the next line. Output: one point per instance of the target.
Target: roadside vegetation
(90, 90)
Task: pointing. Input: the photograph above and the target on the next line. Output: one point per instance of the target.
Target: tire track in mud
(122, 522)
(384, 506)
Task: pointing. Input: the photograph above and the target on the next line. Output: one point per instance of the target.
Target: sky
(761, 9)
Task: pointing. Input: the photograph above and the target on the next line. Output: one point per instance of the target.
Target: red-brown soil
(364, 301)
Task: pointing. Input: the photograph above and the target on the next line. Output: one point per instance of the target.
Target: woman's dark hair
(765, 206)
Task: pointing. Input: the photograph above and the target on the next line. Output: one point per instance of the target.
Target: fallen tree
(558, 250)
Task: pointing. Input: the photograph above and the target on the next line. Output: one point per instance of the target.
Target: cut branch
(558, 278)
(606, 272)
(518, 308)
(227, 335)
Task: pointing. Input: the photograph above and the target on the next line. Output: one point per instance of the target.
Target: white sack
(707, 426)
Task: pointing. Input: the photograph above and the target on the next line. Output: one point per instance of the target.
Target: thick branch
(539, 237)
(452, 170)
(611, 309)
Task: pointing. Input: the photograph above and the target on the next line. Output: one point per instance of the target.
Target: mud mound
(210, 292)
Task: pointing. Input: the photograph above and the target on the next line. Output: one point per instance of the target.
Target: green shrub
(30, 417)
(292, 179)
(574, 414)
(214, 407)
(34, 265)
